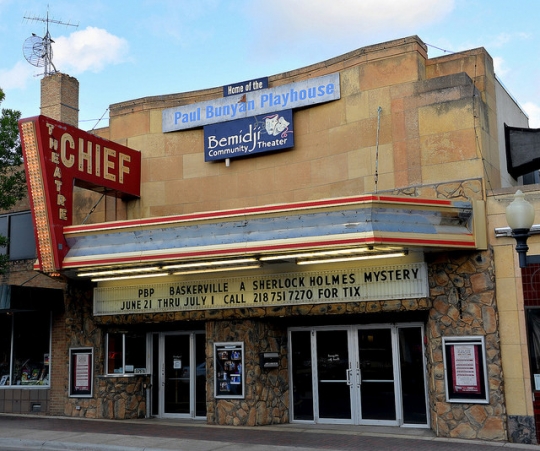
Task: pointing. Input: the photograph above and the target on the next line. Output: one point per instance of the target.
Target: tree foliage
(12, 177)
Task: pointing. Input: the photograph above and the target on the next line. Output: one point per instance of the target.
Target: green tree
(12, 177)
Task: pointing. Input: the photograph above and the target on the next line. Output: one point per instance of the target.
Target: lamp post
(520, 218)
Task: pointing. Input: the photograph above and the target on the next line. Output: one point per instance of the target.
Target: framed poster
(229, 370)
(81, 373)
(465, 369)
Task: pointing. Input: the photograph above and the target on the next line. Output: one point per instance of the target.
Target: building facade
(517, 299)
(310, 247)
(31, 306)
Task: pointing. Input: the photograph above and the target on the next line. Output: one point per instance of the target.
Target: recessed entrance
(359, 375)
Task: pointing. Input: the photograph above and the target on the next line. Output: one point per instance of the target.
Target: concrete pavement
(59, 433)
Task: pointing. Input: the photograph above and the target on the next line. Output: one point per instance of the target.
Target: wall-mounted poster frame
(465, 369)
(229, 370)
(81, 372)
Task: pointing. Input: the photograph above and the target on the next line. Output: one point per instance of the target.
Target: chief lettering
(90, 158)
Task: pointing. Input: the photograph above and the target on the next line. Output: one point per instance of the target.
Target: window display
(25, 349)
(126, 353)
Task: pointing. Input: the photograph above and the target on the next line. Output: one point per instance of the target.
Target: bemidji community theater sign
(403, 281)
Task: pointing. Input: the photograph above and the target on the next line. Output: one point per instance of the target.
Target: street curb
(68, 446)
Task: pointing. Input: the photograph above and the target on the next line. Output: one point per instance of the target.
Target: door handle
(349, 377)
(358, 377)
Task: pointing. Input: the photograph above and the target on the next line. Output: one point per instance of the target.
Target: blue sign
(243, 137)
(293, 95)
(245, 86)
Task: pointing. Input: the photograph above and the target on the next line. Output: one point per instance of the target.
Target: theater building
(307, 247)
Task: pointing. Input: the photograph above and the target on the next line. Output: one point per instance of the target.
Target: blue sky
(128, 49)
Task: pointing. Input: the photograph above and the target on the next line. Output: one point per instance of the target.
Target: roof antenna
(38, 50)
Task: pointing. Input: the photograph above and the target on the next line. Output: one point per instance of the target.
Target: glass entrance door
(359, 375)
(333, 375)
(183, 375)
(376, 378)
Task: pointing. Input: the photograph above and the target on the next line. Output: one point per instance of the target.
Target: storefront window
(126, 353)
(531, 299)
(25, 349)
(533, 330)
(5, 348)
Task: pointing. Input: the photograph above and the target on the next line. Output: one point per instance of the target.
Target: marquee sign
(243, 137)
(253, 103)
(403, 281)
(58, 156)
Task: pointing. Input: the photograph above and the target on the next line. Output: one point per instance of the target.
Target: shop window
(24, 349)
(19, 229)
(531, 297)
(126, 353)
(531, 178)
(5, 348)
(533, 329)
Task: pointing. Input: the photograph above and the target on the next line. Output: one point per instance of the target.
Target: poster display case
(465, 370)
(81, 373)
(229, 370)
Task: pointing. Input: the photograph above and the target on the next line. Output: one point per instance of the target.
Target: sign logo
(58, 156)
(248, 136)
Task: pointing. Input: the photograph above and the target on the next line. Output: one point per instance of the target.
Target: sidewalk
(58, 433)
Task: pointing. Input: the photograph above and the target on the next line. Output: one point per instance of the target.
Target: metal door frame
(192, 376)
(315, 378)
(357, 375)
(354, 374)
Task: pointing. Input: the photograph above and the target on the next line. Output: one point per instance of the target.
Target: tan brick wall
(59, 366)
(60, 98)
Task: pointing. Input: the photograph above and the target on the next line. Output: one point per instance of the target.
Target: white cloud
(499, 66)
(533, 111)
(182, 23)
(88, 50)
(345, 18)
(18, 76)
(502, 39)
(316, 29)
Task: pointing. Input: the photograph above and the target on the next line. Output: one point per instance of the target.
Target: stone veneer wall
(462, 289)
(115, 398)
(266, 391)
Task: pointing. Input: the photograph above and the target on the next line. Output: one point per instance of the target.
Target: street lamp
(520, 218)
